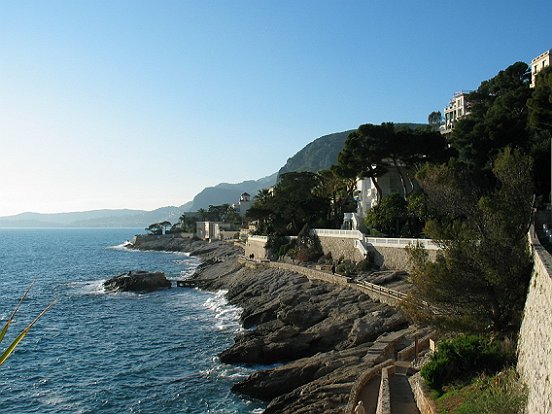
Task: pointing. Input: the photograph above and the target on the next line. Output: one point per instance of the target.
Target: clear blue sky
(141, 104)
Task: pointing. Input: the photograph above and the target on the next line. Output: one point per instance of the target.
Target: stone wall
(361, 382)
(422, 394)
(535, 339)
(384, 396)
(255, 245)
(341, 247)
(386, 253)
(393, 257)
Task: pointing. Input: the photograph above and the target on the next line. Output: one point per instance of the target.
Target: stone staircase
(389, 391)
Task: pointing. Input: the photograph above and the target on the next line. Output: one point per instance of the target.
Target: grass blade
(22, 335)
(10, 319)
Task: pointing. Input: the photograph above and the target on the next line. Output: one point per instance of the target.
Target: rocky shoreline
(321, 337)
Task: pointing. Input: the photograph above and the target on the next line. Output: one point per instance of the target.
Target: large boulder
(139, 281)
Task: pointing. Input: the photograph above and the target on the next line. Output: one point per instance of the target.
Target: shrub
(346, 268)
(363, 266)
(460, 359)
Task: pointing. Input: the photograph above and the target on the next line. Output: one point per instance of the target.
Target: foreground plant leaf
(24, 332)
(10, 319)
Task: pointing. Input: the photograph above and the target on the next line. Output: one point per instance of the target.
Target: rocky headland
(317, 337)
(138, 281)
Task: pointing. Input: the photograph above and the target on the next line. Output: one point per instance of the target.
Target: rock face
(321, 337)
(140, 281)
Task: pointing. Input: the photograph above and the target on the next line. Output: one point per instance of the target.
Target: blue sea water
(97, 352)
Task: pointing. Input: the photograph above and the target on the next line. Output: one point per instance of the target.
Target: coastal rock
(320, 336)
(140, 281)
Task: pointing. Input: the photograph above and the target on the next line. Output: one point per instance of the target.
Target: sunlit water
(96, 352)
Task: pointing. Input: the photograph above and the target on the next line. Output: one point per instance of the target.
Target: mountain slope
(229, 193)
(322, 153)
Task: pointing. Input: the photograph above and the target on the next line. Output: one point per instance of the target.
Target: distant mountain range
(318, 155)
(95, 218)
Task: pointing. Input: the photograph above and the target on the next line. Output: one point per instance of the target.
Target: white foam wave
(92, 287)
(227, 316)
(220, 370)
(125, 246)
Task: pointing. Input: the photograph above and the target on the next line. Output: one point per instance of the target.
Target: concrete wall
(535, 339)
(256, 245)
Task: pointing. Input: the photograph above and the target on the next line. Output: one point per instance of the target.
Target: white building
(538, 64)
(366, 196)
(244, 203)
(208, 230)
(457, 108)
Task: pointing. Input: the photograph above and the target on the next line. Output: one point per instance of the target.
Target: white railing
(376, 241)
(258, 238)
(359, 245)
(349, 234)
(401, 243)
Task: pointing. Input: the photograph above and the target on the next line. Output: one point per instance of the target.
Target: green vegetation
(503, 393)
(372, 150)
(479, 282)
(294, 203)
(159, 228)
(459, 360)
(9, 350)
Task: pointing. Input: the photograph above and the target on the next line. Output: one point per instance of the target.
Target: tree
(389, 216)
(497, 119)
(540, 123)
(435, 119)
(154, 228)
(293, 203)
(203, 214)
(372, 150)
(479, 282)
(339, 191)
(361, 157)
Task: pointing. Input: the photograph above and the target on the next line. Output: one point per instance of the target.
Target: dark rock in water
(140, 281)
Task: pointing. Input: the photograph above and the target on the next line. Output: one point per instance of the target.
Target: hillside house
(457, 108)
(366, 197)
(538, 64)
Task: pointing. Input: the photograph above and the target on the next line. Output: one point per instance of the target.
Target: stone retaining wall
(384, 396)
(341, 248)
(361, 382)
(255, 245)
(394, 257)
(422, 395)
(386, 253)
(535, 339)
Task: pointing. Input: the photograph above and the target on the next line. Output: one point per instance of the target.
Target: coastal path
(385, 388)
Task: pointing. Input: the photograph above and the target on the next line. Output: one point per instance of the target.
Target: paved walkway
(402, 399)
(369, 395)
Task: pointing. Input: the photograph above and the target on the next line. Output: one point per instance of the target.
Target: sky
(142, 104)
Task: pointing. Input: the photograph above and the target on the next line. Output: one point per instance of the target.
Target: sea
(98, 352)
